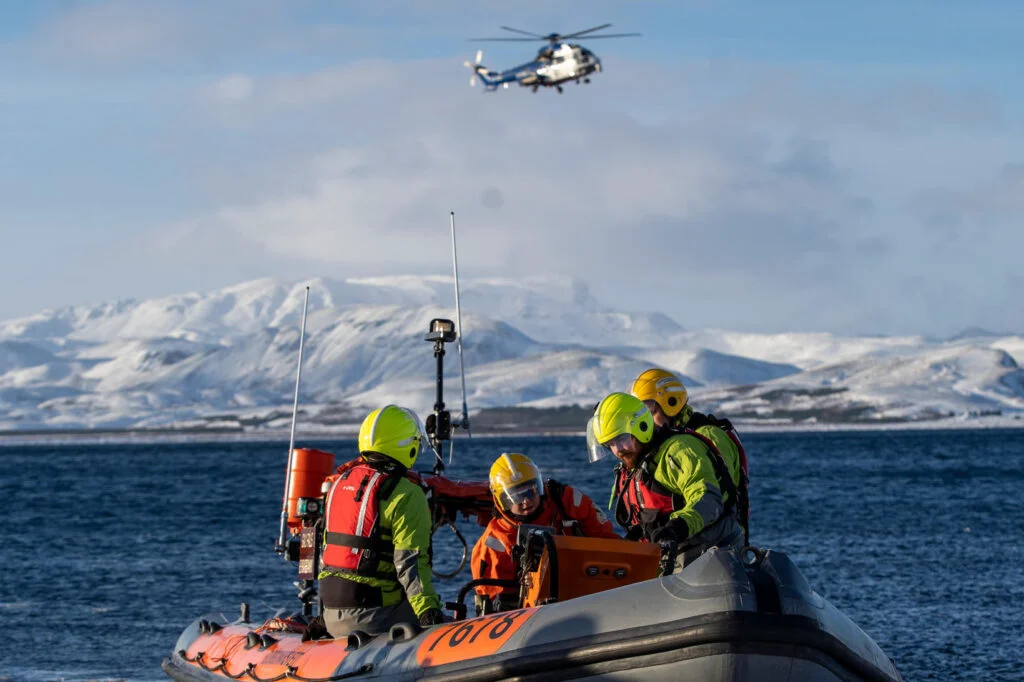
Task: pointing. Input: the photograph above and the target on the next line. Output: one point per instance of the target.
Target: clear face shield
(516, 499)
(597, 451)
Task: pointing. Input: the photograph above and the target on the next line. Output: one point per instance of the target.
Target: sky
(855, 168)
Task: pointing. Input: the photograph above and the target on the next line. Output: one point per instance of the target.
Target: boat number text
(477, 637)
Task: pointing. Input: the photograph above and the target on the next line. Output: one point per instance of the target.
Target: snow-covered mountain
(227, 357)
(927, 383)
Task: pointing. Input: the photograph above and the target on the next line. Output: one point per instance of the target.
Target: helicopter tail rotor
(474, 67)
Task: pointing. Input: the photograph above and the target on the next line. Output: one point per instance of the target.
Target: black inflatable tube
(639, 664)
(741, 628)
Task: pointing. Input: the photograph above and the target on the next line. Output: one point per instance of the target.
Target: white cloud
(749, 211)
(234, 88)
(563, 186)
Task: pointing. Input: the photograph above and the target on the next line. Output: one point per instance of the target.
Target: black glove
(675, 530)
(431, 617)
(635, 533)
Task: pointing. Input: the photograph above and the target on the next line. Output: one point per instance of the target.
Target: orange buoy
(309, 469)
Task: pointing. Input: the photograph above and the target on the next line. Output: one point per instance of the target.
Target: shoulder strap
(556, 491)
(722, 423)
(698, 419)
(721, 471)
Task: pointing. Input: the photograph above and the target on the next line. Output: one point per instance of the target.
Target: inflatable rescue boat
(726, 616)
(587, 609)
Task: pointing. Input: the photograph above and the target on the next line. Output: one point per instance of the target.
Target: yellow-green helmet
(394, 432)
(663, 388)
(617, 415)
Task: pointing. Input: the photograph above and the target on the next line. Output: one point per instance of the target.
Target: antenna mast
(280, 548)
(458, 321)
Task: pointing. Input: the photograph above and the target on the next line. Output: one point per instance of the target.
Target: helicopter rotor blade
(614, 35)
(587, 30)
(525, 33)
(506, 40)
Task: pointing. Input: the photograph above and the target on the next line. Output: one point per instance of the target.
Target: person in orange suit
(521, 496)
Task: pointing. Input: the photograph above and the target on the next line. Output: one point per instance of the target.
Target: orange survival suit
(562, 507)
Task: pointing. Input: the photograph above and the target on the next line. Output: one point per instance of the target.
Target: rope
(282, 625)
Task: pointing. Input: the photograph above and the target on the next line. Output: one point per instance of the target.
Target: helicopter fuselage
(555, 64)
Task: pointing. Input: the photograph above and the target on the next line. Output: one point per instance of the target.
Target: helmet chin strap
(381, 461)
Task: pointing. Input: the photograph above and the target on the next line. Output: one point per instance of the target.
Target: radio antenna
(458, 321)
(291, 440)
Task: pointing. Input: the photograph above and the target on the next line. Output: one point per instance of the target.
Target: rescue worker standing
(520, 496)
(666, 487)
(665, 396)
(375, 569)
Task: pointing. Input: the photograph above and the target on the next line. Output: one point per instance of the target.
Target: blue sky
(788, 166)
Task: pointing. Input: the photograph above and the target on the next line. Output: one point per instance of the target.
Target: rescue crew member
(665, 396)
(376, 558)
(521, 496)
(665, 486)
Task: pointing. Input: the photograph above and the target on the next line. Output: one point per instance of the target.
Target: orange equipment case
(590, 565)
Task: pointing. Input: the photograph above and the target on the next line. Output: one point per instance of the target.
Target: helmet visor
(509, 497)
(597, 451)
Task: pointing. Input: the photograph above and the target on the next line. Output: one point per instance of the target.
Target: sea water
(110, 551)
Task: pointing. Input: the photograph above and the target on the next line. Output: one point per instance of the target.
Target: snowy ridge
(930, 383)
(227, 358)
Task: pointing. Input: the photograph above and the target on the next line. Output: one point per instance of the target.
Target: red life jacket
(643, 501)
(354, 540)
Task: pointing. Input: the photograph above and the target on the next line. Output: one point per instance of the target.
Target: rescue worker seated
(666, 489)
(376, 558)
(665, 396)
(520, 496)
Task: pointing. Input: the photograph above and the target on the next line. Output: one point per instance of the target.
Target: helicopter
(557, 62)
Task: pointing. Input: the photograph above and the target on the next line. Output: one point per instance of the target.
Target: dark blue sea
(109, 551)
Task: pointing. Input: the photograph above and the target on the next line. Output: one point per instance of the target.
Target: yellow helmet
(394, 432)
(514, 478)
(663, 388)
(617, 415)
